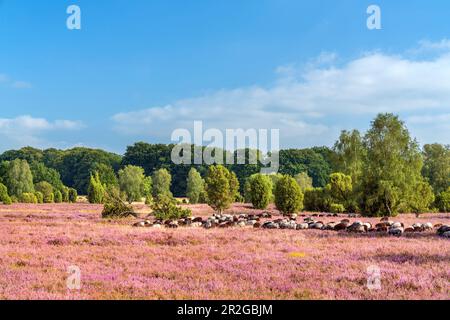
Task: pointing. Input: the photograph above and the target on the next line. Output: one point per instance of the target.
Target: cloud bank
(27, 130)
(310, 104)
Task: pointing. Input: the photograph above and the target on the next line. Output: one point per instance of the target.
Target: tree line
(381, 172)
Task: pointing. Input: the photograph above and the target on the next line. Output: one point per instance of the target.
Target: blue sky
(139, 69)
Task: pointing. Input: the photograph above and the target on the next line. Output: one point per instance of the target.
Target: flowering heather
(39, 242)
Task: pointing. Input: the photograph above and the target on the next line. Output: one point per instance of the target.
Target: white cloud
(27, 130)
(304, 103)
(6, 80)
(21, 85)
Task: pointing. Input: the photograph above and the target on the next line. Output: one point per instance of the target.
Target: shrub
(73, 195)
(7, 200)
(165, 208)
(47, 191)
(288, 195)
(148, 200)
(317, 200)
(4, 197)
(14, 199)
(58, 196)
(39, 197)
(195, 186)
(337, 208)
(28, 198)
(260, 191)
(221, 187)
(96, 190)
(114, 207)
(65, 194)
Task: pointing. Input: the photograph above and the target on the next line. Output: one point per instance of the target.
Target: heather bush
(288, 195)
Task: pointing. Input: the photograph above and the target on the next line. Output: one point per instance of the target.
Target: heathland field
(38, 243)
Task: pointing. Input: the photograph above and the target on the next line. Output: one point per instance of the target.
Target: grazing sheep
(396, 231)
(317, 225)
(302, 226)
(341, 226)
(397, 225)
(139, 224)
(443, 229)
(428, 226)
(446, 234)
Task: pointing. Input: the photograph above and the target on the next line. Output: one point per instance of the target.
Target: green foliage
(74, 165)
(437, 166)
(443, 201)
(133, 183)
(392, 168)
(28, 198)
(73, 195)
(14, 199)
(58, 196)
(311, 161)
(4, 197)
(19, 178)
(337, 208)
(96, 190)
(422, 198)
(221, 187)
(42, 173)
(65, 194)
(195, 186)
(288, 195)
(317, 200)
(350, 154)
(106, 175)
(39, 197)
(165, 208)
(161, 183)
(78, 164)
(114, 207)
(47, 191)
(340, 189)
(304, 181)
(260, 190)
(148, 186)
